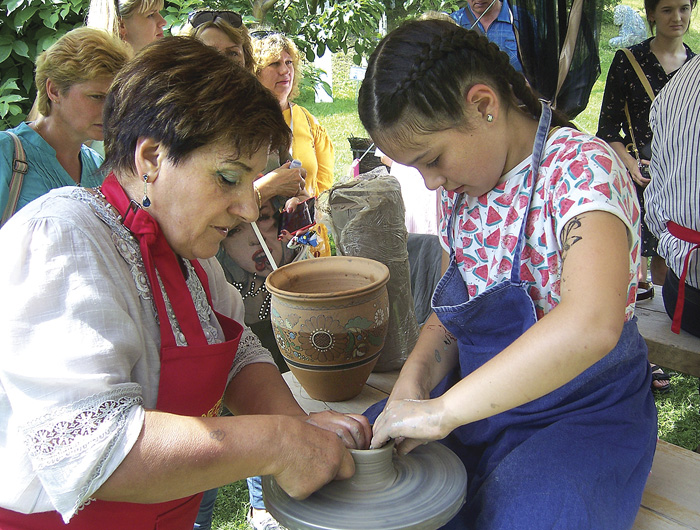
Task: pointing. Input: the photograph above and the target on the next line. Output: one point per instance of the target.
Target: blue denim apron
(576, 458)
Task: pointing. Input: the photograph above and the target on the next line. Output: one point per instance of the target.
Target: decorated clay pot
(330, 317)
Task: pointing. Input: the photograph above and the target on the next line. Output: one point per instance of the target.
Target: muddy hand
(353, 429)
(311, 457)
(410, 422)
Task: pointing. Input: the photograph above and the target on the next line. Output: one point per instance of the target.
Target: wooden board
(678, 352)
(672, 490)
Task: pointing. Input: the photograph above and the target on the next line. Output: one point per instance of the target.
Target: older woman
(277, 68)
(121, 337)
(72, 78)
(137, 22)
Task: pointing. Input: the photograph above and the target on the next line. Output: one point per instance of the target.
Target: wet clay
(419, 491)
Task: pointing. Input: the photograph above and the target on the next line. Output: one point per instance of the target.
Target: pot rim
(289, 270)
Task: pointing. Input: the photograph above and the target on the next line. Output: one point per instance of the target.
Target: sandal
(657, 374)
(645, 291)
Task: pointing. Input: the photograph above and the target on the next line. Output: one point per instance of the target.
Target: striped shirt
(674, 191)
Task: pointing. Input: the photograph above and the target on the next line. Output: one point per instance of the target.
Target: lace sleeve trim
(250, 350)
(71, 430)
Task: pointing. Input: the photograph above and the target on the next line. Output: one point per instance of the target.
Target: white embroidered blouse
(79, 348)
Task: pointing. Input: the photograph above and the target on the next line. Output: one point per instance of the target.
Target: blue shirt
(500, 31)
(45, 172)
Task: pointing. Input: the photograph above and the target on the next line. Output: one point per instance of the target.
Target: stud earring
(489, 118)
(146, 202)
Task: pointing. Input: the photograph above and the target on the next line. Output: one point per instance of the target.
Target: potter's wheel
(419, 491)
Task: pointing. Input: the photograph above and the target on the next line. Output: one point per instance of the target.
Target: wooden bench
(677, 352)
(671, 498)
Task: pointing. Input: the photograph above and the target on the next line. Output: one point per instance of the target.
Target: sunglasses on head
(197, 18)
(262, 33)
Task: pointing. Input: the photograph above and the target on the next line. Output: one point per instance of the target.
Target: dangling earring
(146, 202)
(489, 118)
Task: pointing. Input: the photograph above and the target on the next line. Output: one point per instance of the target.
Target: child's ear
(484, 100)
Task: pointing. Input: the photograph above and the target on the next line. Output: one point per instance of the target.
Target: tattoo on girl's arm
(570, 238)
(438, 358)
(448, 339)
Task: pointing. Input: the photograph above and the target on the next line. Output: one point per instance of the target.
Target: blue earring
(146, 202)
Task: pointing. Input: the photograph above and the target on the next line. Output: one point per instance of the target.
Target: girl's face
(278, 77)
(466, 161)
(141, 28)
(216, 38)
(672, 18)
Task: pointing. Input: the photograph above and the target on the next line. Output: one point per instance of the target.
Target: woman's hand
(410, 423)
(353, 429)
(282, 181)
(634, 171)
(314, 457)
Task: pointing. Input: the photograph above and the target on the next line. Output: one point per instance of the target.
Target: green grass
(679, 410)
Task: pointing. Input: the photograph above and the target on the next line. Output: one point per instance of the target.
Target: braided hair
(417, 75)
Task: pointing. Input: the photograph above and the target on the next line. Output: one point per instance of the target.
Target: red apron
(192, 382)
(690, 236)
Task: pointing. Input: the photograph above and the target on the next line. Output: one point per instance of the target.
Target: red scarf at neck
(162, 263)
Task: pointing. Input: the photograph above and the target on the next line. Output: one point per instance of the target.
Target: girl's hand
(410, 423)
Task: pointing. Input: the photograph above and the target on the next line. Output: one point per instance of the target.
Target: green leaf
(11, 5)
(21, 48)
(23, 15)
(5, 51)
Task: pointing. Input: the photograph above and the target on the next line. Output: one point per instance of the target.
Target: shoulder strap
(640, 73)
(19, 169)
(473, 22)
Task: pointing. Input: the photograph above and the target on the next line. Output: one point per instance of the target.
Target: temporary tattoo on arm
(438, 358)
(217, 435)
(569, 238)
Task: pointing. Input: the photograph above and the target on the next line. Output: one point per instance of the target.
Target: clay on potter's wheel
(422, 490)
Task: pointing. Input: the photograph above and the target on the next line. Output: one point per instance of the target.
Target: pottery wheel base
(427, 490)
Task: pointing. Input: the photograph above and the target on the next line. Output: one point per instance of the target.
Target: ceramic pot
(330, 317)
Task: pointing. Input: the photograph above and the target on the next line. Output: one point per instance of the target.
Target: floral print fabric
(579, 173)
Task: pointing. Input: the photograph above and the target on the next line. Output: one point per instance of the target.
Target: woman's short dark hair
(186, 95)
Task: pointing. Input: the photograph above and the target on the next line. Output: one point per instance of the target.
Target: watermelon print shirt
(579, 173)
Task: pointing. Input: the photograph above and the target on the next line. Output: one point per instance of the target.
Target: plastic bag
(366, 218)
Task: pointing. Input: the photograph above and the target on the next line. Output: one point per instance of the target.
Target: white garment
(420, 203)
(674, 191)
(79, 348)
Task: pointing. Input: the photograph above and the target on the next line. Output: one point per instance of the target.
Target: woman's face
(141, 28)
(216, 38)
(278, 77)
(198, 201)
(79, 109)
(671, 17)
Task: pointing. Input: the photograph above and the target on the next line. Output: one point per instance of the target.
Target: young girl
(535, 377)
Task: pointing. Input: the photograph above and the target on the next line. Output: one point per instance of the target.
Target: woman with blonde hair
(136, 22)
(72, 77)
(225, 31)
(277, 68)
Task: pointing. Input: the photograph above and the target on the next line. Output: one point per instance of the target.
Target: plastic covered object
(366, 217)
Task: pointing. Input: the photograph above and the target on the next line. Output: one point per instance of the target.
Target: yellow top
(312, 146)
